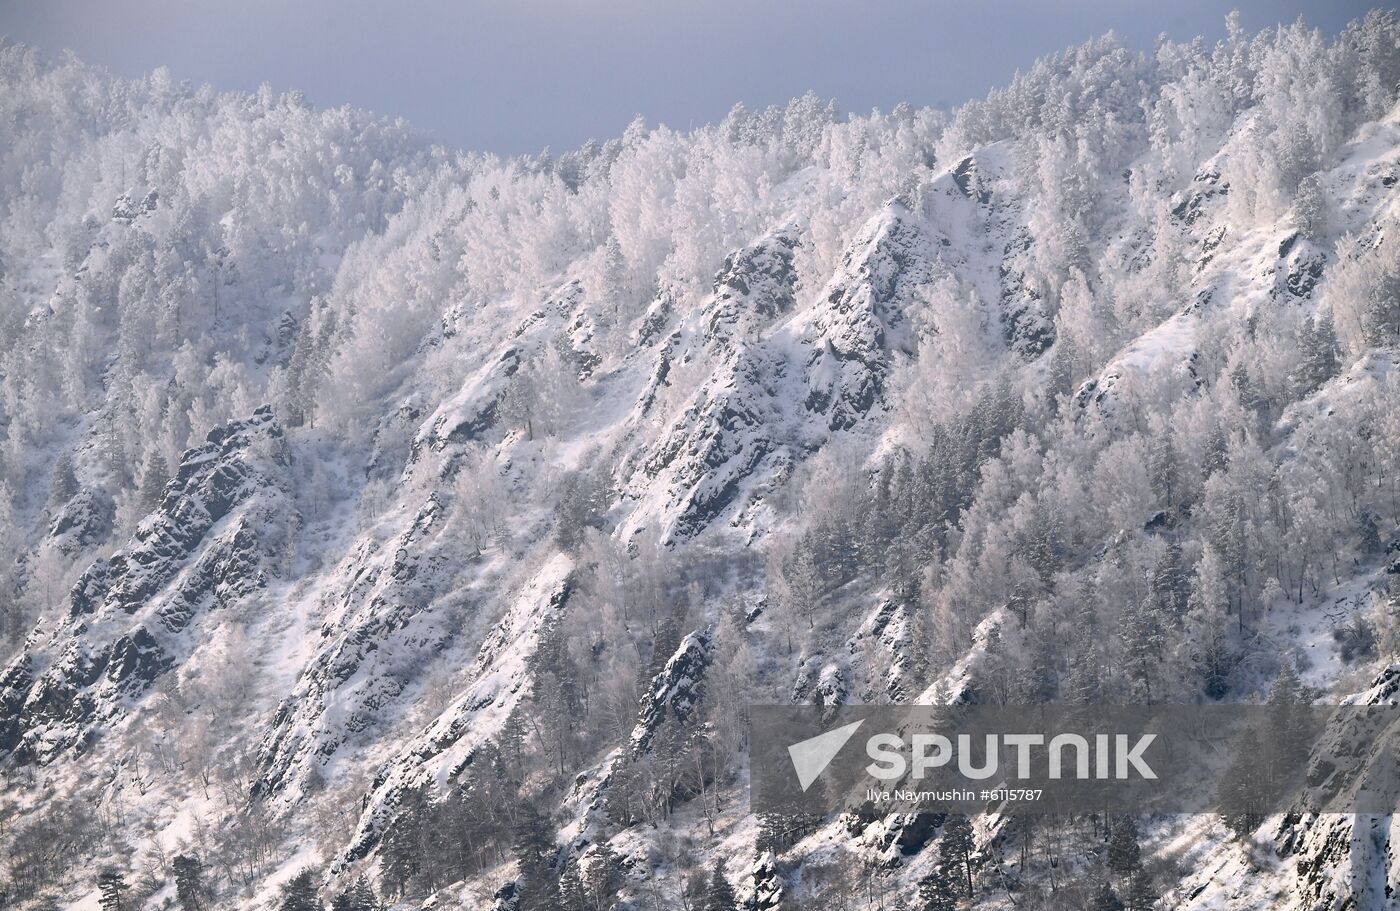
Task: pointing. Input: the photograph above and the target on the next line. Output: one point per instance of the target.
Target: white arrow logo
(811, 757)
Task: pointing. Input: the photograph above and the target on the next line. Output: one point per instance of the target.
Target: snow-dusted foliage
(401, 524)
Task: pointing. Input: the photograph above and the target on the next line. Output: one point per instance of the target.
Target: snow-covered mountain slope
(220, 532)
(1083, 393)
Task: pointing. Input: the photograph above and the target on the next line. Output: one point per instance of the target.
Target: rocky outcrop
(1348, 861)
(499, 680)
(217, 537)
(82, 523)
(675, 692)
(781, 378)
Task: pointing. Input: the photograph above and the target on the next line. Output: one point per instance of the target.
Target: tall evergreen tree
(300, 893)
(1105, 899)
(1124, 849)
(189, 881)
(1240, 787)
(112, 889)
(63, 485)
(604, 877)
(1141, 894)
(956, 847)
(400, 858)
(153, 481)
(1171, 584)
(534, 855)
(720, 895)
(937, 892)
(358, 896)
(572, 896)
(1163, 468)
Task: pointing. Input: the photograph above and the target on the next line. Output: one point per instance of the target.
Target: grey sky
(516, 75)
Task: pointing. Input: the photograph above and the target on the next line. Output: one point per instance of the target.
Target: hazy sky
(517, 75)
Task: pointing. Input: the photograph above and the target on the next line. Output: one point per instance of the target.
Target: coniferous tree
(937, 892)
(300, 893)
(358, 896)
(604, 877)
(719, 896)
(1288, 725)
(534, 855)
(1142, 639)
(1105, 899)
(1240, 787)
(63, 485)
(1164, 470)
(1317, 346)
(572, 896)
(1124, 850)
(400, 859)
(1170, 583)
(153, 481)
(772, 833)
(112, 889)
(189, 881)
(1216, 453)
(1141, 894)
(955, 849)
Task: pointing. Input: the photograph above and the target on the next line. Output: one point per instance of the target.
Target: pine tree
(604, 876)
(1216, 453)
(1240, 786)
(1063, 371)
(300, 893)
(534, 854)
(1105, 899)
(512, 743)
(937, 892)
(1083, 684)
(1141, 634)
(720, 895)
(1317, 344)
(400, 858)
(571, 894)
(359, 896)
(1163, 469)
(955, 848)
(1171, 585)
(112, 889)
(1142, 894)
(772, 833)
(1288, 724)
(1124, 851)
(1211, 656)
(63, 485)
(189, 881)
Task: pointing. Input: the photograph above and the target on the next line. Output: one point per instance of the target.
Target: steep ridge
(220, 533)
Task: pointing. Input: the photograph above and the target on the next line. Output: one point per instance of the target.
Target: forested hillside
(381, 523)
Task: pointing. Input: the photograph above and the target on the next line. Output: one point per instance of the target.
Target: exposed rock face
(500, 679)
(779, 383)
(1346, 862)
(675, 692)
(1027, 325)
(82, 523)
(217, 537)
(363, 659)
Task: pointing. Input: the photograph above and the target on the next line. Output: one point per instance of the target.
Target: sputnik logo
(810, 757)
